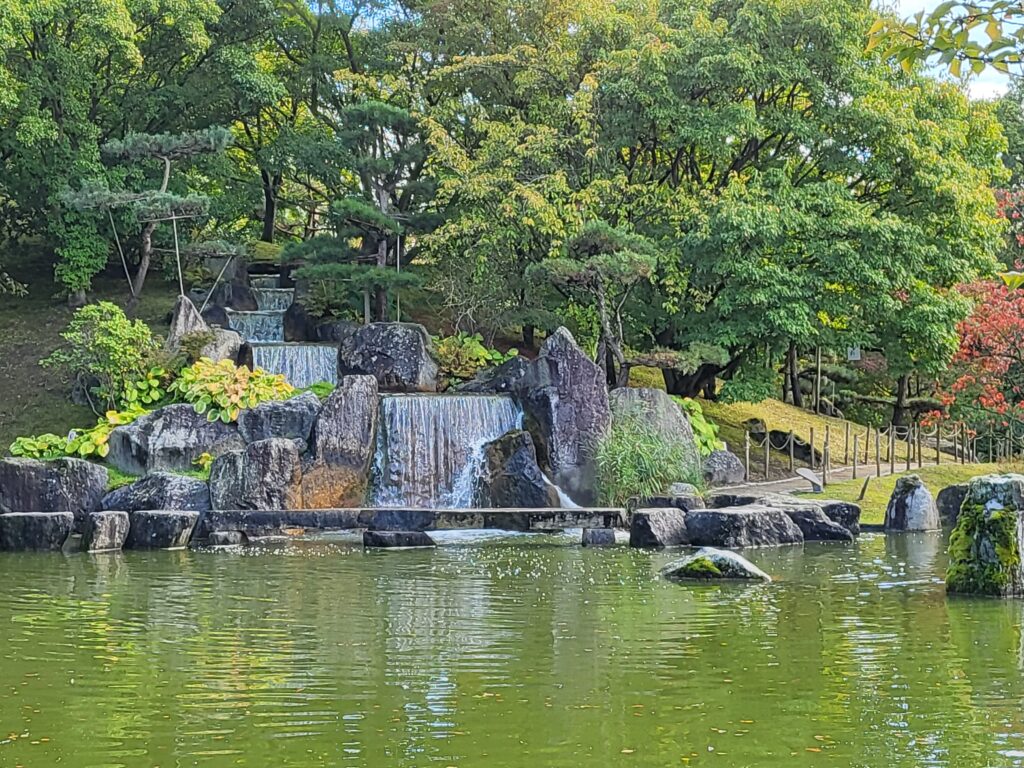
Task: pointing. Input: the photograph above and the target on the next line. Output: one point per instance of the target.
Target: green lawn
(880, 489)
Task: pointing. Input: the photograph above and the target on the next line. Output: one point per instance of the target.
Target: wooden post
(910, 449)
(812, 447)
(956, 444)
(892, 450)
(767, 455)
(746, 456)
(792, 461)
(826, 462)
(878, 453)
(826, 454)
(867, 446)
(938, 444)
(920, 456)
(817, 383)
(846, 447)
(856, 454)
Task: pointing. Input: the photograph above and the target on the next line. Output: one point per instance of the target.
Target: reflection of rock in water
(924, 553)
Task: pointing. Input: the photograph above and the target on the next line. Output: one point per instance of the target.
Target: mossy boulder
(711, 564)
(984, 547)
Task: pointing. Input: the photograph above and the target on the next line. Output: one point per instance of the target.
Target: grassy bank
(33, 399)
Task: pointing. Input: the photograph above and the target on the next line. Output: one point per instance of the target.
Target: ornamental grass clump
(221, 390)
(635, 459)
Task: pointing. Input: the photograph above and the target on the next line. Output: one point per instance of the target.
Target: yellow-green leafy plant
(48, 446)
(90, 443)
(148, 389)
(221, 390)
(462, 356)
(204, 462)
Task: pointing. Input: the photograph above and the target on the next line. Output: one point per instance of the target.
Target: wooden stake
(856, 454)
(878, 453)
(746, 457)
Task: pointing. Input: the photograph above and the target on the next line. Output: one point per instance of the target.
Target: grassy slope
(32, 399)
(880, 489)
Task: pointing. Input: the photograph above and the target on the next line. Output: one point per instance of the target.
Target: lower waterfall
(302, 364)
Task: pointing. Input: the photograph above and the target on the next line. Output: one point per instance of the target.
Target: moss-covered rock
(984, 547)
(712, 564)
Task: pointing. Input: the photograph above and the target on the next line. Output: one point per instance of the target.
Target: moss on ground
(880, 489)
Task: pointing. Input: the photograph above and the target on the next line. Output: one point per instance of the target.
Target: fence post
(826, 460)
(856, 454)
(892, 450)
(867, 446)
(846, 447)
(767, 455)
(917, 436)
(938, 444)
(792, 462)
(746, 456)
(910, 449)
(878, 453)
(812, 448)
(827, 454)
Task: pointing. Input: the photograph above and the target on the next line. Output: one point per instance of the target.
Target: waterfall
(264, 281)
(430, 447)
(277, 299)
(262, 325)
(301, 364)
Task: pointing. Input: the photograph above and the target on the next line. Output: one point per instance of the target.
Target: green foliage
(82, 252)
(82, 444)
(750, 384)
(463, 355)
(204, 462)
(139, 146)
(634, 460)
(705, 431)
(221, 390)
(117, 479)
(984, 553)
(699, 568)
(104, 351)
(48, 446)
(321, 389)
(147, 390)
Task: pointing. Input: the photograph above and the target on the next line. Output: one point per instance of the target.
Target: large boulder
(396, 539)
(185, 321)
(723, 468)
(61, 485)
(949, 501)
(736, 527)
(334, 331)
(565, 399)
(34, 531)
(299, 325)
(399, 356)
(292, 419)
(171, 439)
(845, 513)
(810, 517)
(511, 476)
(160, 490)
(662, 415)
(266, 475)
(709, 564)
(684, 501)
(105, 531)
(160, 529)
(225, 345)
(499, 379)
(341, 446)
(911, 507)
(658, 528)
(985, 546)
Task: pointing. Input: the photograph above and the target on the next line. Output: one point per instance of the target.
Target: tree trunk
(793, 361)
(145, 259)
(271, 185)
(529, 336)
(380, 294)
(692, 384)
(899, 408)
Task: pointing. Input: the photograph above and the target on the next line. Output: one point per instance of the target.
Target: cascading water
(261, 325)
(275, 299)
(264, 281)
(430, 447)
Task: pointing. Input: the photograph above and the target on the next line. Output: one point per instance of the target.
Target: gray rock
(105, 531)
(185, 321)
(662, 414)
(292, 419)
(266, 475)
(911, 507)
(658, 528)
(565, 399)
(400, 356)
(736, 527)
(984, 546)
(723, 468)
(685, 502)
(709, 564)
(34, 531)
(299, 325)
(341, 446)
(396, 539)
(160, 490)
(511, 476)
(949, 501)
(61, 485)
(501, 378)
(683, 489)
(598, 537)
(170, 438)
(226, 345)
(845, 513)
(227, 539)
(216, 317)
(160, 529)
(816, 525)
(335, 331)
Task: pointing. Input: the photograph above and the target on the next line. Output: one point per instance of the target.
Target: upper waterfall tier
(278, 299)
(262, 325)
(430, 447)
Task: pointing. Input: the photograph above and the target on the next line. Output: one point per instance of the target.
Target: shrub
(705, 431)
(753, 384)
(221, 390)
(48, 446)
(149, 389)
(104, 351)
(634, 459)
(82, 444)
(462, 356)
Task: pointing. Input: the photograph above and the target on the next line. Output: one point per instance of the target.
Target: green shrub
(221, 390)
(48, 446)
(321, 389)
(753, 384)
(705, 431)
(104, 351)
(149, 389)
(634, 459)
(82, 444)
(462, 356)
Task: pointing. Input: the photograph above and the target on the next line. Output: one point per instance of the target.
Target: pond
(514, 651)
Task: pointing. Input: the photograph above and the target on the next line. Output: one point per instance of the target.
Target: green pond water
(519, 651)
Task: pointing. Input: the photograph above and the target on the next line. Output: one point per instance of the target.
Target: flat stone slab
(736, 527)
(598, 537)
(35, 531)
(105, 531)
(396, 539)
(160, 529)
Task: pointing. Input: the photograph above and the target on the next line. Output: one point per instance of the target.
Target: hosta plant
(48, 446)
(148, 389)
(221, 390)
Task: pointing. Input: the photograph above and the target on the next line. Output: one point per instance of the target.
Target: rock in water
(34, 531)
(723, 468)
(810, 517)
(713, 564)
(396, 539)
(61, 485)
(266, 475)
(565, 399)
(292, 419)
(105, 531)
(949, 501)
(845, 513)
(227, 539)
(170, 439)
(341, 446)
(658, 528)
(511, 476)
(598, 537)
(985, 545)
(737, 527)
(299, 325)
(911, 507)
(160, 490)
(400, 356)
(160, 529)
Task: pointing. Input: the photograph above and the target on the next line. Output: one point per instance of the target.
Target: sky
(988, 84)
